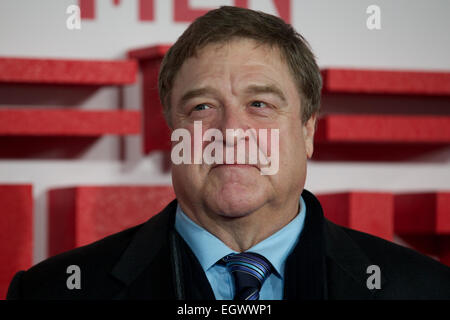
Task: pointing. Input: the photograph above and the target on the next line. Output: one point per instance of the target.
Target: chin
(236, 201)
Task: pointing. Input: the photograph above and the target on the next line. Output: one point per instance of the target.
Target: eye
(201, 107)
(258, 104)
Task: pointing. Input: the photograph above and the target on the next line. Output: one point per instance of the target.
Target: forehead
(238, 45)
(236, 61)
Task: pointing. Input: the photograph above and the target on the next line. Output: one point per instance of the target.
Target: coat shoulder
(95, 264)
(48, 279)
(408, 273)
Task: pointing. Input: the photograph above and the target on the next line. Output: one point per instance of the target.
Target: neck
(242, 233)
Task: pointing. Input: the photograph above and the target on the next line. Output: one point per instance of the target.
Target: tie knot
(249, 270)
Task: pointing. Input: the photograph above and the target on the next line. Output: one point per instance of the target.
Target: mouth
(235, 165)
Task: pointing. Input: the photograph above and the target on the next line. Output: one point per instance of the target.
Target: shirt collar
(209, 249)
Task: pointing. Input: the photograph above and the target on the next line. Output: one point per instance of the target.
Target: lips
(235, 165)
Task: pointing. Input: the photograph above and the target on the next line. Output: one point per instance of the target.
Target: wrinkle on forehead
(260, 65)
(222, 45)
(210, 56)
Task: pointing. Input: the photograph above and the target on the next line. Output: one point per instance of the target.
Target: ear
(308, 135)
(167, 114)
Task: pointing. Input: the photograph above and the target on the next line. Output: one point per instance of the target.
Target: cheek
(187, 178)
(292, 146)
(191, 142)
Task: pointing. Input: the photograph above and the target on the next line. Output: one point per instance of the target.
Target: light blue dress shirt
(209, 249)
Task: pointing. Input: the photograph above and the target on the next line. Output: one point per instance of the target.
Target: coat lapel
(347, 266)
(147, 255)
(146, 269)
(197, 285)
(326, 263)
(305, 276)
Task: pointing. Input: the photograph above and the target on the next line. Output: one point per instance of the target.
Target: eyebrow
(252, 89)
(271, 89)
(196, 93)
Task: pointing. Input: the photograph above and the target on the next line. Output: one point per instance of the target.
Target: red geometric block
(67, 72)
(16, 232)
(183, 13)
(82, 215)
(87, 9)
(369, 212)
(386, 82)
(383, 129)
(156, 131)
(422, 213)
(423, 221)
(444, 252)
(57, 122)
(146, 10)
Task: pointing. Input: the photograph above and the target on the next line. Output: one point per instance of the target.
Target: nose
(231, 120)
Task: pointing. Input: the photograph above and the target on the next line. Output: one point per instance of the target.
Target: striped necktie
(249, 271)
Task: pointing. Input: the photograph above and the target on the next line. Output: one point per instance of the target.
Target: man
(233, 232)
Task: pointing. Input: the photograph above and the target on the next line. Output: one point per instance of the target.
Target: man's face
(240, 85)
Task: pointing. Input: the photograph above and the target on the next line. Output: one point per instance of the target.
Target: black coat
(151, 261)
